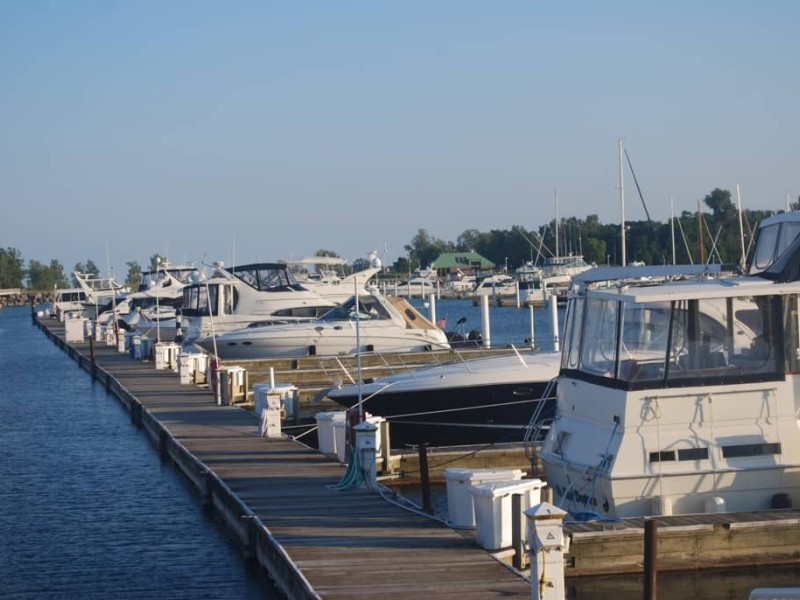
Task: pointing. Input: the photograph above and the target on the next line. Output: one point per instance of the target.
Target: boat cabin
(678, 392)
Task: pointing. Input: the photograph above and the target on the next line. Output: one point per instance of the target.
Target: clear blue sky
(264, 130)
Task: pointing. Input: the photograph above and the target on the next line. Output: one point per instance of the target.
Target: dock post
(520, 559)
(487, 335)
(533, 327)
(424, 478)
(92, 358)
(650, 558)
(554, 321)
(432, 308)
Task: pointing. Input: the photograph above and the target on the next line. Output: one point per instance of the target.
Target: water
(507, 325)
(87, 508)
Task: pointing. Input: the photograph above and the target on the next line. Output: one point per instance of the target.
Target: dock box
(493, 516)
(461, 513)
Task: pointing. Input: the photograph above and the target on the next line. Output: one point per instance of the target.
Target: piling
(650, 558)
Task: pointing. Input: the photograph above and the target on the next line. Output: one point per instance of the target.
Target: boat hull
(491, 414)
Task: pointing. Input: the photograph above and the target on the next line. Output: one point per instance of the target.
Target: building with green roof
(467, 262)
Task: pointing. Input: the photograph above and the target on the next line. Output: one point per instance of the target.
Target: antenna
(622, 203)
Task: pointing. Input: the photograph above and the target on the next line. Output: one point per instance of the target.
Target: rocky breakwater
(19, 297)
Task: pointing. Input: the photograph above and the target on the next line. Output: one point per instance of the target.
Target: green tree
(46, 277)
(134, 276)
(155, 260)
(424, 249)
(12, 268)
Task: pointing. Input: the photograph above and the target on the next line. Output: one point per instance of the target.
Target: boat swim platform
(274, 496)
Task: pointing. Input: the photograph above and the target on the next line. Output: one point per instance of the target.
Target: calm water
(507, 325)
(87, 509)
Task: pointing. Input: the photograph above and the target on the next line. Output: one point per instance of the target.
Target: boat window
(748, 450)
(773, 241)
(644, 341)
(197, 299)
(791, 328)
(574, 322)
(710, 341)
(765, 248)
(599, 343)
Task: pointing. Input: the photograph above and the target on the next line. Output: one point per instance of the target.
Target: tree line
(43, 277)
(704, 236)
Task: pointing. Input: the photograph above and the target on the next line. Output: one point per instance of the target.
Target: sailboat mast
(700, 233)
(743, 259)
(622, 205)
(672, 227)
(556, 198)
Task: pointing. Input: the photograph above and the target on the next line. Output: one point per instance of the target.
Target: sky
(258, 131)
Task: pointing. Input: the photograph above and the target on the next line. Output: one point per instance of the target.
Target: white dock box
(73, 329)
(493, 516)
(233, 384)
(192, 367)
(166, 356)
(326, 433)
(461, 513)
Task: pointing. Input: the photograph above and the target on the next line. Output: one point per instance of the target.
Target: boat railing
(538, 426)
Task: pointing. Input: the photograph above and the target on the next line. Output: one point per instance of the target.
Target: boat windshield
(773, 241)
(681, 342)
(267, 278)
(369, 307)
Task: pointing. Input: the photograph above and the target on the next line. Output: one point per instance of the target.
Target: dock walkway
(276, 497)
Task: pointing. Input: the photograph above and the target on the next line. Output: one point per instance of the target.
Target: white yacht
(153, 308)
(99, 292)
(679, 387)
(422, 284)
(233, 298)
(370, 323)
(497, 285)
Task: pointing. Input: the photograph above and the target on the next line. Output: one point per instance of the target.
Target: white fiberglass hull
(323, 339)
(680, 451)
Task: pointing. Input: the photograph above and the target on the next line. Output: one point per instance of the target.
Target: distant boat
(424, 283)
(378, 324)
(328, 278)
(496, 285)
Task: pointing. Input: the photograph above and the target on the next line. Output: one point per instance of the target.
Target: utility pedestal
(547, 547)
(367, 446)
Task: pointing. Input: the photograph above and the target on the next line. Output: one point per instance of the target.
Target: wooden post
(650, 558)
(91, 356)
(424, 478)
(520, 559)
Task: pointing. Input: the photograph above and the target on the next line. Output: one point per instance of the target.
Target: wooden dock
(277, 499)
